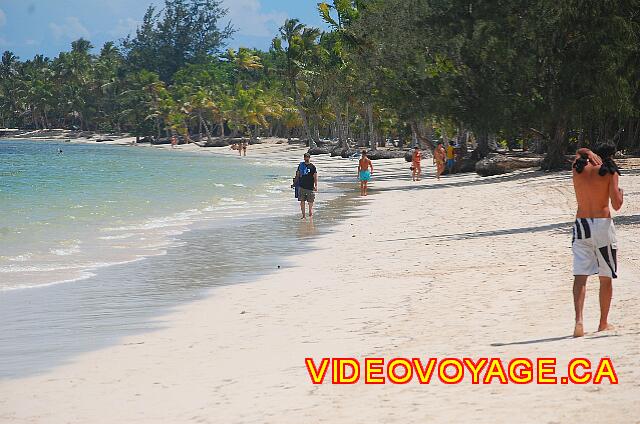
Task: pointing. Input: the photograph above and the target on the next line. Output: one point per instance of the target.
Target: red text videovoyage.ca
(459, 370)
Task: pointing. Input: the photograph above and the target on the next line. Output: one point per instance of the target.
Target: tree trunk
(372, 131)
(347, 126)
(222, 128)
(556, 156)
(414, 137)
(254, 132)
(636, 135)
(482, 150)
(34, 118)
(463, 139)
(339, 126)
(303, 114)
(204, 124)
(418, 138)
(307, 128)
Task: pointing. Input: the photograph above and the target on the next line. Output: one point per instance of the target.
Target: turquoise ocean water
(65, 215)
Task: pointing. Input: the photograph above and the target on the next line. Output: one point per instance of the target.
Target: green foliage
(513, 70)
(184, 32)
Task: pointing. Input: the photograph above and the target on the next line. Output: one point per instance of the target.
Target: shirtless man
(595, 179)
(438, 159)
(364, 175)
(415, 164)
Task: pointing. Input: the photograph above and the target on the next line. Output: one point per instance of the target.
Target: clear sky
(29, 27)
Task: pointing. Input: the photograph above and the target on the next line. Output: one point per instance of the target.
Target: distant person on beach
(174, 141)
(594, 245)
(416, 169)
(364, 174)
(438, 159)
(451, 154)
(244, 149)
(307, 180)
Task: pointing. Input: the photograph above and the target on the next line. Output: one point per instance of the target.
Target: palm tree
(201, 105)
(9, 70)
(252, 108)
(301, 53)
(290, 120)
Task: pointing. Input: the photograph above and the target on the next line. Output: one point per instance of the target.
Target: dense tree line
(539, 74)
(557, 73)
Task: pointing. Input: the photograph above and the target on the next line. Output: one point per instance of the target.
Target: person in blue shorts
(451, 155)
(364, 174)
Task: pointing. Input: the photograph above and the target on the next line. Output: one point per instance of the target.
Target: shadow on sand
(430, 183)
(560, 226)
(554, 339)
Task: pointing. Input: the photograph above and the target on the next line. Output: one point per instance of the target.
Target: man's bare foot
(606, 327)
(303, 217)
(579, 330)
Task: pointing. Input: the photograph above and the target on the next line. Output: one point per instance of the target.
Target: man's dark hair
(581, 163)
(364, 152)
(606, 151)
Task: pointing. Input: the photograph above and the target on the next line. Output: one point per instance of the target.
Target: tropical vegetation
(537, 74)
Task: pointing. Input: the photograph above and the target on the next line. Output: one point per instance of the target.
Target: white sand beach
(465, 267)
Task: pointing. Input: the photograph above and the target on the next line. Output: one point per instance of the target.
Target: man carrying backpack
(307, 181)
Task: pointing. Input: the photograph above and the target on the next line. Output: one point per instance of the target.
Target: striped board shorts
(595, 247)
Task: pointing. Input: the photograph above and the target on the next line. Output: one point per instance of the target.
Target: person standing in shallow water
(364, 175)
(594, 245)
(307, 180)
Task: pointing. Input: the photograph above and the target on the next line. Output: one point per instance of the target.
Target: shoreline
(179, 219)
(425, 270)
(333, 199)
(144, 292)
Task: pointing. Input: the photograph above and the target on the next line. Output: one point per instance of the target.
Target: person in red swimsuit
(415, 164)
